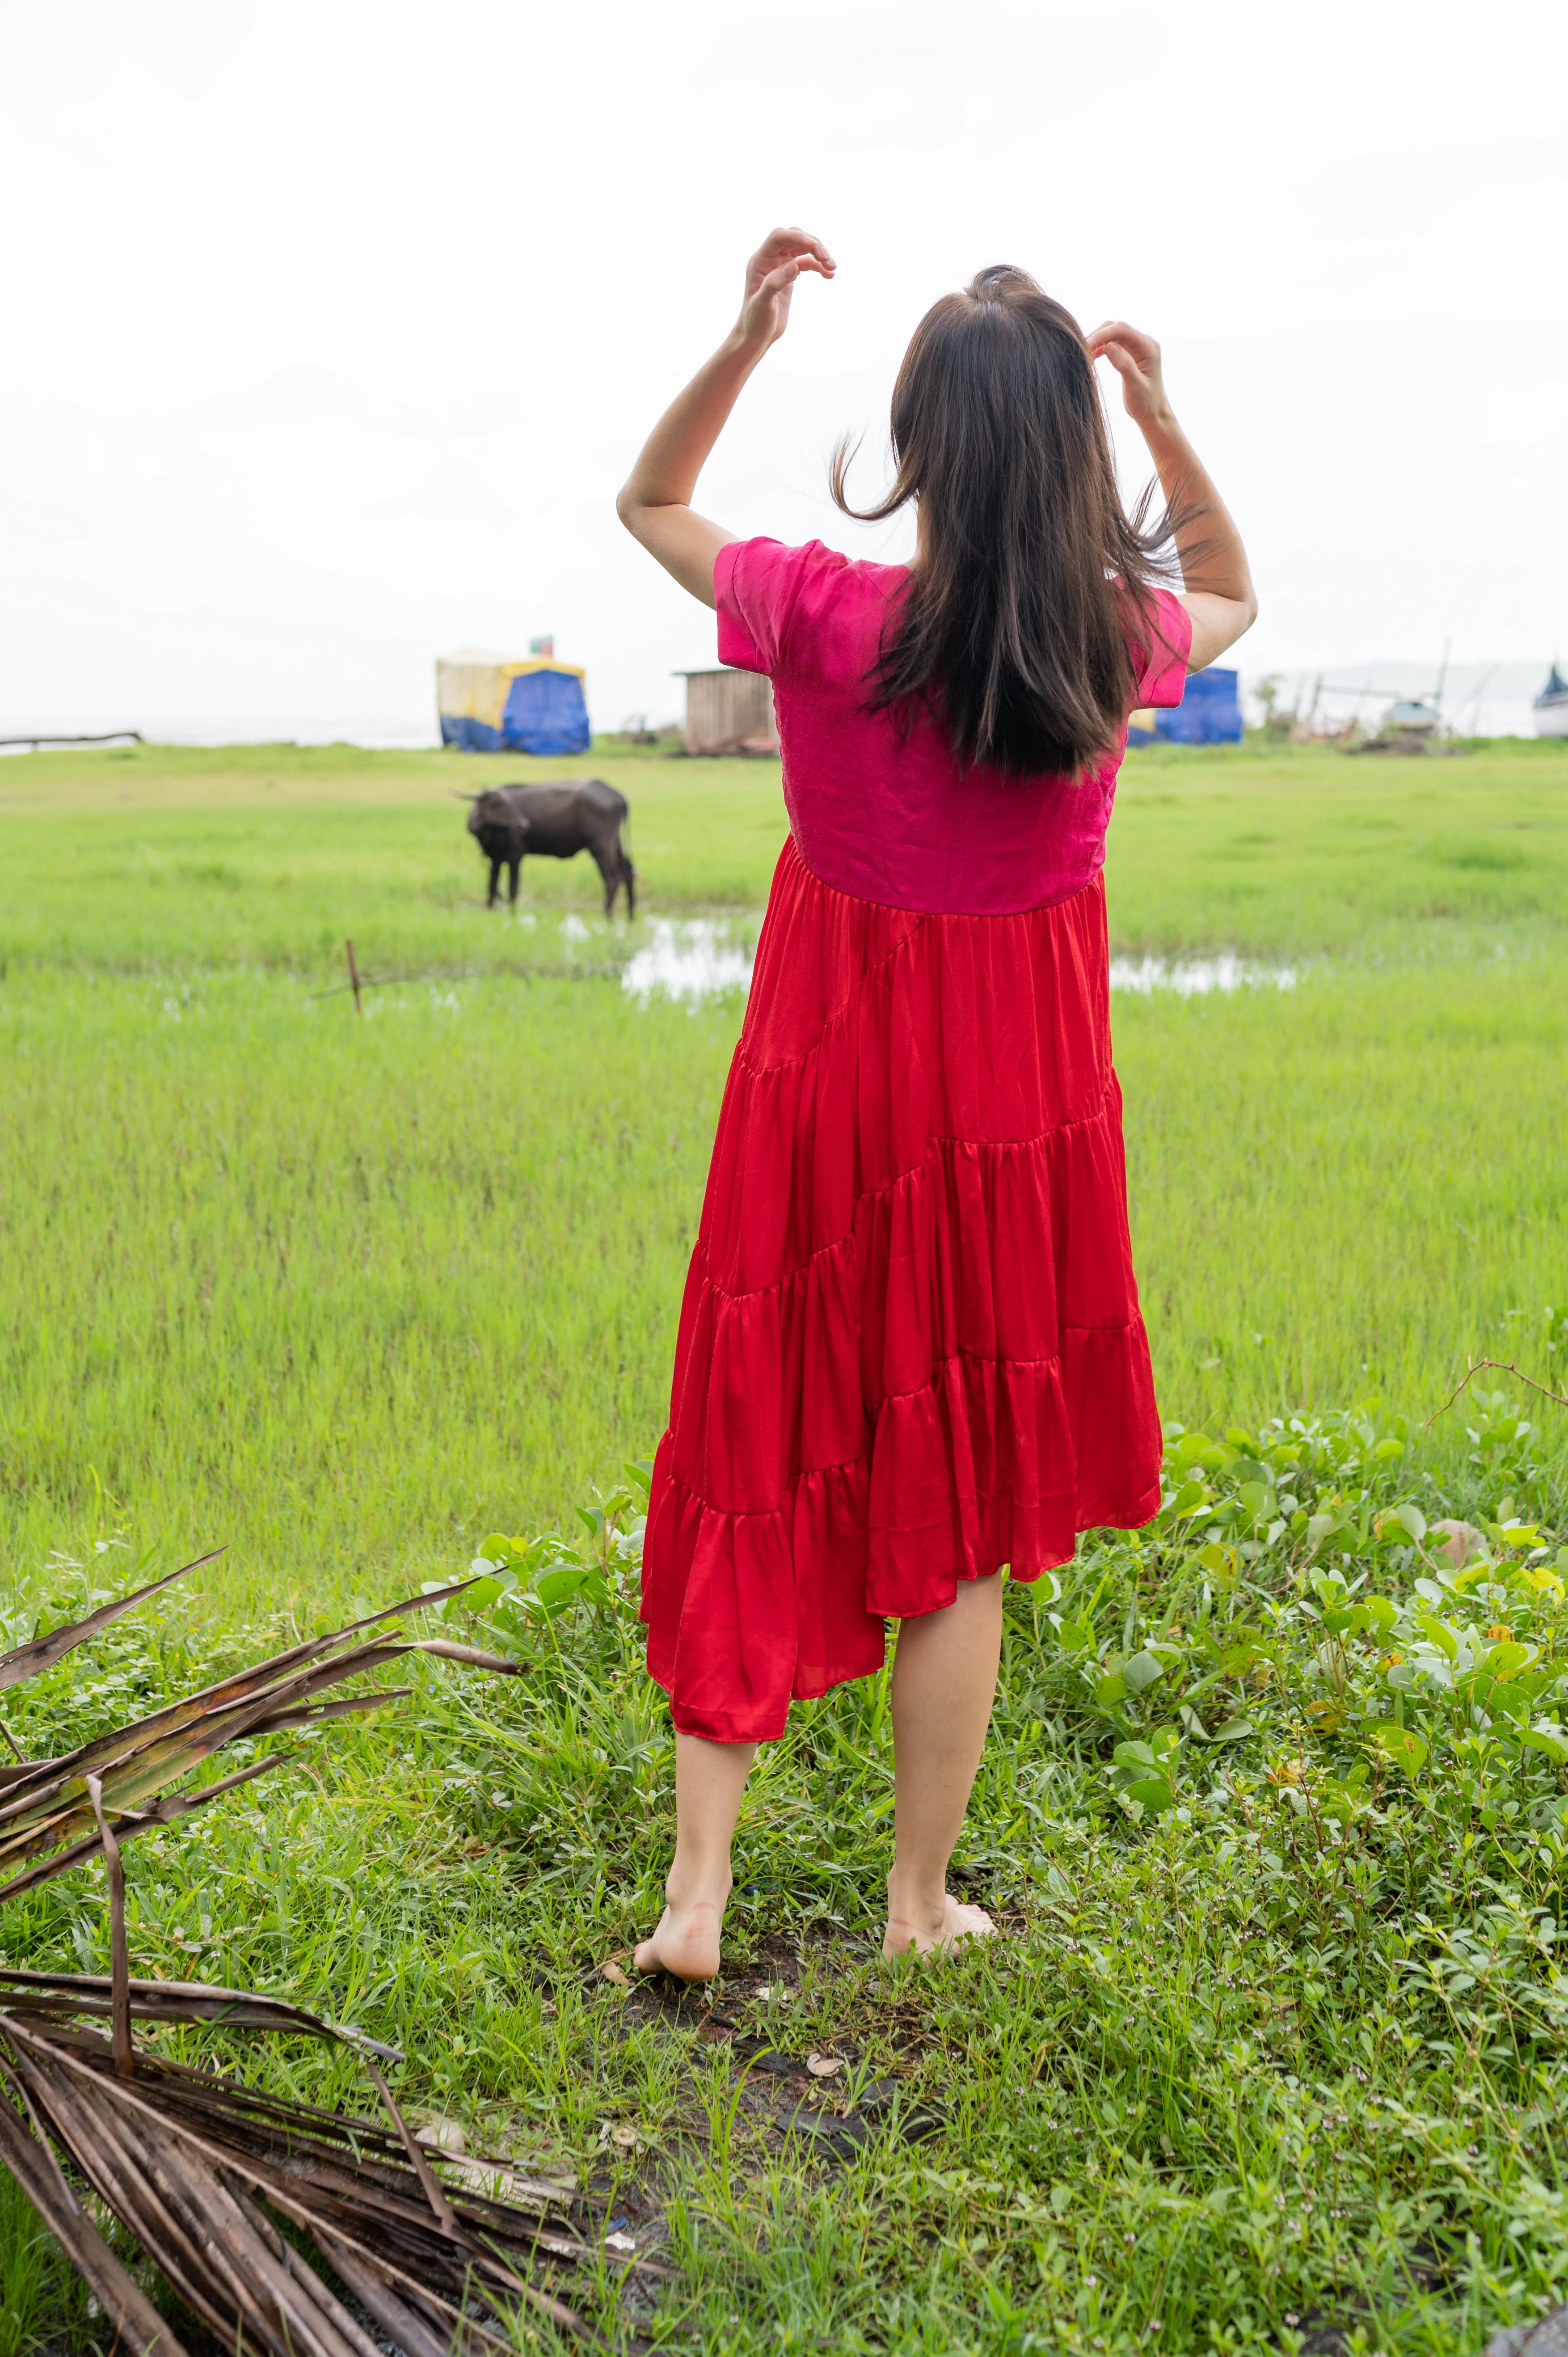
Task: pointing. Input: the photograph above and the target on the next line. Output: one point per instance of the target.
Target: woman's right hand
(1136, 361)
(770, 276)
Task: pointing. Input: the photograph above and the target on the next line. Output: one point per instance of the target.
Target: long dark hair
(1012, 633)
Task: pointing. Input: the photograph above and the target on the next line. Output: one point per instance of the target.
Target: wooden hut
(730, 712)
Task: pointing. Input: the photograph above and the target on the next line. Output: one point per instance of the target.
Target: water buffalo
(554, 821)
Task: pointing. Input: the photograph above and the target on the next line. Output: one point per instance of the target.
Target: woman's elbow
(627, 506)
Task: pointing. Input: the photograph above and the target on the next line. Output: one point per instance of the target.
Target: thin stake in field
(354, 979)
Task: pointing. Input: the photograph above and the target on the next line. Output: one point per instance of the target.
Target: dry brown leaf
(822, 2066)
(444, 2134)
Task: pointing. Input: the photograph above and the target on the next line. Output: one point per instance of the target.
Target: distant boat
(1551, 706)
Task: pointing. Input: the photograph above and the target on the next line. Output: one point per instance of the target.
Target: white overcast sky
(332, 328)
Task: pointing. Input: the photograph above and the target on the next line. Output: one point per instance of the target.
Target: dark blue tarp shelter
(545, 713)
(1208, 713)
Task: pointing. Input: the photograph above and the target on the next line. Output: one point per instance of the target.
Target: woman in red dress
(910, 1355)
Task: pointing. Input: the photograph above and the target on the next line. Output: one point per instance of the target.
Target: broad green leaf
(1254, 1497)
(1547, 1740)
(1111, 1689)
(1134, 1754)
(1074, 1635)
(1413, 1520)
(1231, 1731)
(1440, 1633)
(556, 1588)
(1152, 1792)
(1403, 1749)
(1506, 1660)
(1142, 1671)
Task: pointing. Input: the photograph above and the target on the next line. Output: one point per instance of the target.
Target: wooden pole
(354, 979)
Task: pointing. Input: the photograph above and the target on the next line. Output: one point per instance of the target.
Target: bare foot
(959, 1923)
(685, 1944)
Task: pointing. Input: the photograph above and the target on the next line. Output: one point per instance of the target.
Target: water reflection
(1196, 978)
(698, 958)
(690, 960)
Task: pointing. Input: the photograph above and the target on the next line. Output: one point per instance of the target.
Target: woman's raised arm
(656, 503)
(1218, 586)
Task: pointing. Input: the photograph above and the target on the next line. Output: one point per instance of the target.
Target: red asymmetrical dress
(910, 1350)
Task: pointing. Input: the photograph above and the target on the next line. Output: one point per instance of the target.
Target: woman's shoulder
(774, 598)
(763, 561)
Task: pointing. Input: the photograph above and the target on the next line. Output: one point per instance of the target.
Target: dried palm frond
(205, 2172)
(185, 2158)
(44, 1805)
(42, 1652)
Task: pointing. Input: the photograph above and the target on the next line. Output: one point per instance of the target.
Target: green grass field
(346, 1295)
(335, 1291)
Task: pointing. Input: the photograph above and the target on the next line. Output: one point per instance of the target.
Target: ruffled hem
(749, 1611)
(910, 1350)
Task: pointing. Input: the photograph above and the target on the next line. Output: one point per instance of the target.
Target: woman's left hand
(1136, 361)
(770, 276)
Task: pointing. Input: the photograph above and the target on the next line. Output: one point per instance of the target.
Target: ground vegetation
(1270, 2056)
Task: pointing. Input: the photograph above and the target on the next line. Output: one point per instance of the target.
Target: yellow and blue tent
(489, 704)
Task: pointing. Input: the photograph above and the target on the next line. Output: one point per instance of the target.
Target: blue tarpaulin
(545, 713)
(1208, 713)
(488, 704)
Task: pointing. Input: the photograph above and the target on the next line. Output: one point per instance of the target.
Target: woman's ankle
(686, 1887)
(918, 1902)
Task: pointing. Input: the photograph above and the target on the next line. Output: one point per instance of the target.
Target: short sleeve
(755, 583)
(1159, 666)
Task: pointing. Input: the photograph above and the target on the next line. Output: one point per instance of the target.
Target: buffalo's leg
(495, 883)
(514, 870)
(629, 877)
(610, 877)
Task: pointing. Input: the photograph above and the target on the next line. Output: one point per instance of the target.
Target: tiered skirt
(910, 1350)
